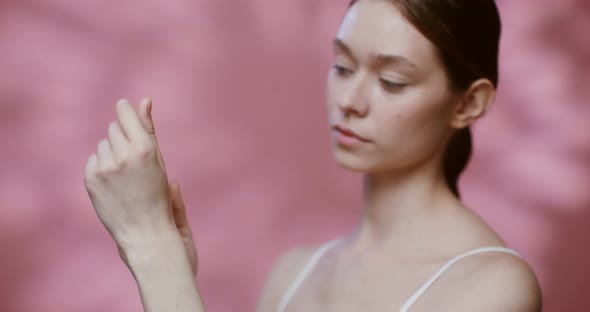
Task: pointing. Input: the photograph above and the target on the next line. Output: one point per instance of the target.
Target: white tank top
(324, 248)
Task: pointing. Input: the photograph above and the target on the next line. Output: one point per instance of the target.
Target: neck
(403, 207)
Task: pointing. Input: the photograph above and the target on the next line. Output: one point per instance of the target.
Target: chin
(354, 162)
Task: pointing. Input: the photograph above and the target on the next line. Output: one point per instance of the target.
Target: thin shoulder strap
(315, 257)
(431, 281)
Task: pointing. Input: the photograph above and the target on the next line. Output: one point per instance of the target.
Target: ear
(475, 103)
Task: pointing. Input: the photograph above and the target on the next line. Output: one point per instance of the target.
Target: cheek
(330, 91)
(337, 90)
(414, 122)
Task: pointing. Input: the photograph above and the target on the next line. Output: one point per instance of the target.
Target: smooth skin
(387, 85)
(127, 183)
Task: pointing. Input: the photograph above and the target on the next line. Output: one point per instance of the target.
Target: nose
(354, 100)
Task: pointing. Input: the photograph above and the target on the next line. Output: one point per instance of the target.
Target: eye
(391, 86)
(342, 71)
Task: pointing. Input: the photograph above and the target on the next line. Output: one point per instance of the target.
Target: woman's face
(388, 86)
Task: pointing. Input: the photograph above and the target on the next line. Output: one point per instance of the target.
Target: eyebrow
(379, 60)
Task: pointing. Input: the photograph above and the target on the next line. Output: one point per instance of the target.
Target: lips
(349, 132)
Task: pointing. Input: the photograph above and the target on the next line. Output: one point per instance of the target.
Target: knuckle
(123, 157)
(150, 128)
(118, 165)
(146, 154)
(101, 174)
(93, 177)
(106, 171)
(111, 169)
(145, 151)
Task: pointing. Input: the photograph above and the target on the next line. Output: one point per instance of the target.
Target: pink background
(238, 89)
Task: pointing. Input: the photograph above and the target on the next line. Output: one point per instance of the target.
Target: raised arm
(128, 186)
(163, 274)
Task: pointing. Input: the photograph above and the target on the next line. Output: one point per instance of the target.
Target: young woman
(409, 78)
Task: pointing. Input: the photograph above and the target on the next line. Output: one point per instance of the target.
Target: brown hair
(466, 34)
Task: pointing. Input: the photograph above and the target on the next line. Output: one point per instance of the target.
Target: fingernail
(149, 106)
(121, 101)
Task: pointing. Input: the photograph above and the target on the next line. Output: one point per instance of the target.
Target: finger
(105, 155)
(178, 208)
(130, 123)
(91, 165)
(119, 143)
(145, 117)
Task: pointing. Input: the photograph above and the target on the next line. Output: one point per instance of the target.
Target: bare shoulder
(499, 282)
(283, 273)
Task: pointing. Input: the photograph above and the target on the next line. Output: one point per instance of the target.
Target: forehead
(373, 27)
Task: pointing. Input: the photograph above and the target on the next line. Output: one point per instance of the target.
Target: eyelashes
(387, 85)
(342, 71)
(391, 86)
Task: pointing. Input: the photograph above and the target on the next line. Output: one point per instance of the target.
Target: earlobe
(474, 103)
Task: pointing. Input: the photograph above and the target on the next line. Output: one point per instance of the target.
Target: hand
(179, 212)
(127, 182)
(178, 207)
(182, 225)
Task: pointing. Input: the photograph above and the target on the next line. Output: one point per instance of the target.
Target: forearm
(164, 276)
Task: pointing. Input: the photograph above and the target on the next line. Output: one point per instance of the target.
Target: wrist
(162, 270)
(137, 239)
(142, 250)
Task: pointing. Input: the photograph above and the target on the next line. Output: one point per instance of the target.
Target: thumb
(145, 116)
(178, 208)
